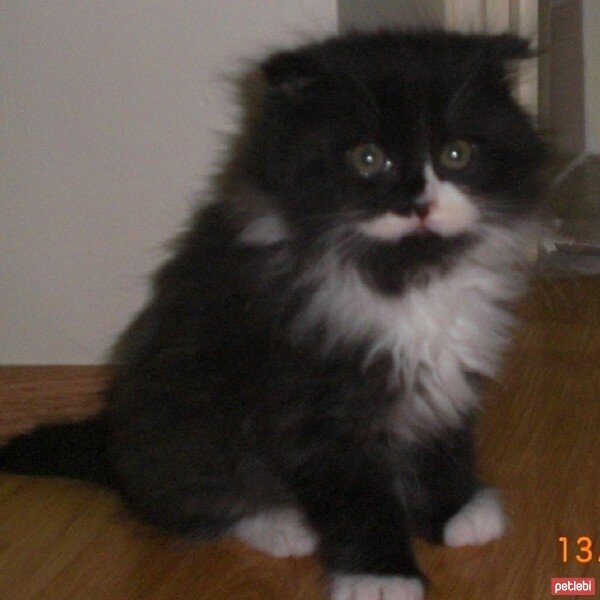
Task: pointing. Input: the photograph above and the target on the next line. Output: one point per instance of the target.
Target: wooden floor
(539, 442)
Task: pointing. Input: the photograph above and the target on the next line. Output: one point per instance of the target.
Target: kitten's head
(405, 140)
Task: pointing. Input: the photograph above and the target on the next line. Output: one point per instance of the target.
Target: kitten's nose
(421, 209)
(422, 206)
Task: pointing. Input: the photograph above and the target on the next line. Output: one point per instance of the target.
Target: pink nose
(422, 209)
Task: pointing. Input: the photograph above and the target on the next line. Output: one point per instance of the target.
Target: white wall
(591, 37)
(369, 14)
(110, 114)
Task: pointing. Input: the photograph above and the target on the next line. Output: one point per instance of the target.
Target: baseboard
(33, 394)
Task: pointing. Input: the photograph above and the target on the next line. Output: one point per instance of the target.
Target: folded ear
(290, 72)
(505, 47)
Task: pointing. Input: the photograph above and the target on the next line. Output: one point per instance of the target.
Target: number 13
(585, 554)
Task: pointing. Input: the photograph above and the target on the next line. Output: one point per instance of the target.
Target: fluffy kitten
(305, 374)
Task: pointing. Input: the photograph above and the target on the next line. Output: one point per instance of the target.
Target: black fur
(76, 450)
(216, 410)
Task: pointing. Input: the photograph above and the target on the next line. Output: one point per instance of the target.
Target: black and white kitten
(305, 374)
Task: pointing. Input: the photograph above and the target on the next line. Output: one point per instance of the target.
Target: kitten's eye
(368, 160)
(457, 155)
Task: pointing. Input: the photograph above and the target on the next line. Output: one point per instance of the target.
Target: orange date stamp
(581, 549)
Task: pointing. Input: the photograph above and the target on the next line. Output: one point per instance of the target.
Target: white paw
(372, 587)
(478, 522)
(279, 532)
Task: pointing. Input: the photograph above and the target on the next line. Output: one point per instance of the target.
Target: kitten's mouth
(391, 227)
(446, 217)
(442, 210)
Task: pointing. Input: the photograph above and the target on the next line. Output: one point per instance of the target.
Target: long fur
(316, 344)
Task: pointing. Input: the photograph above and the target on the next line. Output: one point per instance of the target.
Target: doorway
(569, 114)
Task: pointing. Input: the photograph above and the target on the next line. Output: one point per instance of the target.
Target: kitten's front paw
(279, 532)
(373, 587)
(478, 522)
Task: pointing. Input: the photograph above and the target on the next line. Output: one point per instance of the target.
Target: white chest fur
(434, 333)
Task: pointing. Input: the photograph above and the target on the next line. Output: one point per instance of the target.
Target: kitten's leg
(349, 497)
(447, 503)
(280, 532)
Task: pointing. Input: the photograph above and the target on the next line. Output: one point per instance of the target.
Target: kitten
(306, 372)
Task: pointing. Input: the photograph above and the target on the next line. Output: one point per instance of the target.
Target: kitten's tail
(74, 450)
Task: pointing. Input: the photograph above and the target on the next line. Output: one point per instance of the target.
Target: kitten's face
(400, 140)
